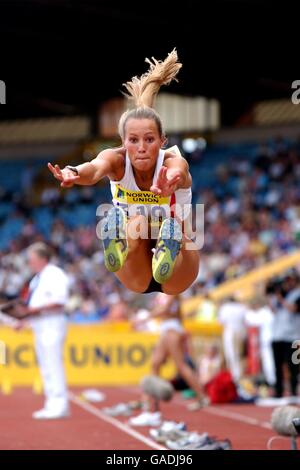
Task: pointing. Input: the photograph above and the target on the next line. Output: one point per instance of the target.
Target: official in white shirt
(232, 315)
(48, 294)
(263, 318)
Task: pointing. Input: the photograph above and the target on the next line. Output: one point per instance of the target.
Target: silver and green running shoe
(167, 248)
(113, 236)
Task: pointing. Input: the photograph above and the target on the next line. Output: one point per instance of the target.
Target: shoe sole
(167, 248)
(113, 236)
(51, 417)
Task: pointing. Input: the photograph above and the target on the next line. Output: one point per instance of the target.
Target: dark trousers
(283, 351)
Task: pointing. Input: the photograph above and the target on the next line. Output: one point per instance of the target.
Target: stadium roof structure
(65, 57)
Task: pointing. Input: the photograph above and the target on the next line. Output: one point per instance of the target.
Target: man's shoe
(48, 413)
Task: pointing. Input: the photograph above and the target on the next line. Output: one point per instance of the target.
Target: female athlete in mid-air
(150, 187)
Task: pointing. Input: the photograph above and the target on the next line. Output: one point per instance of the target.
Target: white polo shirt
(232, 315)
(50, 286)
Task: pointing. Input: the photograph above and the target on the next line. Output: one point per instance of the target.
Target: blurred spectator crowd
(251, 195)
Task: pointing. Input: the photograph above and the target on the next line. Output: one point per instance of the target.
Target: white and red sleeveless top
(134, 201)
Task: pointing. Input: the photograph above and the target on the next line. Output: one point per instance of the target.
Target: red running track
(247, 426)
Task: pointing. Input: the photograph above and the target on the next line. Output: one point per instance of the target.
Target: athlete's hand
(66, 177)
(167, 182)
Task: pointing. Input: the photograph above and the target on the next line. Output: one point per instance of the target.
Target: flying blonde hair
(143, 90)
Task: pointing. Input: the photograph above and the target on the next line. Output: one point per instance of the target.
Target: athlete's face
(143, 142)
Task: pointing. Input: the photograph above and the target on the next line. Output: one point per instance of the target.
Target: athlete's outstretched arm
(173, 175)
(107, 163)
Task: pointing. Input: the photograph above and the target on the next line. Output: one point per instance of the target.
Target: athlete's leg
(159, 356)
(185, 271)
(175, 345)
(136, 273)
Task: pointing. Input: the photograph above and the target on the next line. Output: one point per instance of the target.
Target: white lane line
(238, 417)
(114, 422)
(224, 413)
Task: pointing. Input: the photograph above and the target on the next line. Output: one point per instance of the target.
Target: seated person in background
(118, 311)
(210, 363)
(142, 321)
(173, 344)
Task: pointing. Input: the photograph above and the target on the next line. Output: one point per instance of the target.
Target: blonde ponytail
(143, 90)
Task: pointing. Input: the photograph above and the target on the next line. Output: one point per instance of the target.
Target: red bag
(221, 389)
